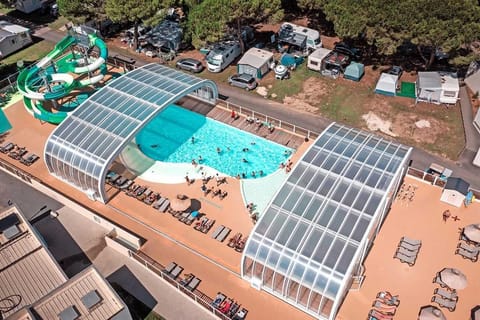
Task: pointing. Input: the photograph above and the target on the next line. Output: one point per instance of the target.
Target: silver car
(189, 64)
(244, 81)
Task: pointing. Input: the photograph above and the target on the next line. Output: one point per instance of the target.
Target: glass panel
(287, 231)
(352, 170)
(247, 267)
(346, 259)
(361, 200)
(329, 162)
(313, 208)
(321, 283)
(350, 150)
(326, 185)
(292, 290)
(265, 221)
(349, 224)
(338, 219)
(297, 236)
(311, 243)
(273, 258)
(302, 203)
(252, 248)
(268, 277)
(362, 155)
(297, 173)
(303, 293)
(309, 277)
(372, 159)
(322, 248)
(276, 226)
(334, 254)
(340, 191)
(282, 194)
(316, 181)
(315, 301)
(326, 307)
(305, 179)
(360, 229)
(278, 283)
(284, 264)
(339, 166)
(350, 196)
(321, 156)
(310, 155)
(373, 179)
(333, 288)
(292, 199)
(326, 214)
(373, 204)
(363, 174)
(298, 271)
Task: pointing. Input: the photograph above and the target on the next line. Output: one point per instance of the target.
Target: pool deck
(167, 239)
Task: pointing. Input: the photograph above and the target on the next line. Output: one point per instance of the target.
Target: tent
(256, 62)
(292, 61)
(437, 87)
(354, 71)
(387, 84)
(455, 191)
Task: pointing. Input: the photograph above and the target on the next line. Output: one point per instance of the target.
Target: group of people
(287, 166)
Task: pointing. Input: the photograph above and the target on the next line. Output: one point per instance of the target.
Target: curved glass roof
(82, 147)
(313, 229)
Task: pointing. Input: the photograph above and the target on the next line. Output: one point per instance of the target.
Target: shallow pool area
(178, 135)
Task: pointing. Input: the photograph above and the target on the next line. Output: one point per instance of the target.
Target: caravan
(222, 54)
(290, 30)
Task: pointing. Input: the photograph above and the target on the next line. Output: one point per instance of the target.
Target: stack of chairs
(384, 306)
(407, 250)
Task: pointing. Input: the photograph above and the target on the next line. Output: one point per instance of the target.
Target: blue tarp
(289, 60)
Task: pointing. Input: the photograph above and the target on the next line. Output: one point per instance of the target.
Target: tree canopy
(209, 21)
(82, 10)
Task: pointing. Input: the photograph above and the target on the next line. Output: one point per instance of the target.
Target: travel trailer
(222, 54)
(12, 38)
(291, 31)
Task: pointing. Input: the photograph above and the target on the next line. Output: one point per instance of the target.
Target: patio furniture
(30, 159)
(380, 306)
(411, 241)
(409, 246)
(145, 194)
(200, 224)
(472, 232)
(431, 313)
(208, 226)
(189, 220)
(7, 147)
(472, 256)
(445, 303)
(164, 206)
(233, 309)
(241, 244)
(468, 247)
(176, 272)
(192, 285)
(187, 279)
(151, 198)
(18, 153)
(158, 203)
(379, 315)
(439, 281)
(218, 300)
(170, 267)
(126, 185)
(446, 294)
(182, 216)
(407, 252)
(217, 231)
(112, 177)
(388, 298)
(453, 278)
(225, 232)
(241, 314)
(234, 240)
(120, 181)
(410, 260)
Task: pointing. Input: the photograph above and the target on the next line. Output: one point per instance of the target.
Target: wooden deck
(280, 136)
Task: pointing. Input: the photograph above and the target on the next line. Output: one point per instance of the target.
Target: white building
(12, 38)
(437, 87)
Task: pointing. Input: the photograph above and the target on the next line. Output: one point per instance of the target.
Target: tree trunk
(135, 35)
(239, 36)
(431, 58)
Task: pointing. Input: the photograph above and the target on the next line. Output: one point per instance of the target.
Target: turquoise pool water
(168, 137)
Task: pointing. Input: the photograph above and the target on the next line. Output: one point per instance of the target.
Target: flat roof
(87, 292)
(322, 215)
(256, 57)
(28, 271)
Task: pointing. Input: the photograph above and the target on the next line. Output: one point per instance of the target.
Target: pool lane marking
(211, 203)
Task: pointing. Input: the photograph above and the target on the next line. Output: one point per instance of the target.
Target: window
(450, 94)
(313, 63)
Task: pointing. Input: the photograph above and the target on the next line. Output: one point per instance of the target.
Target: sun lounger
(183, 216)
(413, 242)
(225, 306)
(445, 303)
(241, 314)
(410, 260)
(379, 315)
(164, 206)
(176, 272)
(384, 308)
(472, 256)
(170, 267)
(145, 194)
(241, 244)
(189, 220)
(408, 246)
(189, 277)
(217, 231)
(29, 159)
(218, 300)
(151, 198)
(407, 252)
(200, 223)
(126, 185)
(468, 247)
(18, 153)
(208, 226)
(110, 179)
(7, 147)
(192, 285)
(234, 240)
(133, 190)
(446, 294)
(225, 232)
(387, 298)
(158, 203)
(233, 309)
(120, 181)
(438, 280)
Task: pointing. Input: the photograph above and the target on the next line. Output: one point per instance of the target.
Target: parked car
(396, 71)
(189, 64)
(244, 81)
(353, 53)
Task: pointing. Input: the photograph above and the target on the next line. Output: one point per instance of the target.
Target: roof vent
(70, 313)
(91, 299)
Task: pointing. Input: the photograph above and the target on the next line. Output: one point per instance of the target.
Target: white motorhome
(313, 36)
(12, 38)
(222, 54)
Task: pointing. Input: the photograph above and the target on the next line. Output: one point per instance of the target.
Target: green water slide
(59, 84)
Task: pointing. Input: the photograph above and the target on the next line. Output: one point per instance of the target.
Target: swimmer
(244, 160)
(245, 149)
(154, 146)
(200, 159)
(261, 172)
(281, 166)
(193, 140)
(219, 150)
(194, 163)
(244, 175)
(253, 143)
(238, 176)
(253, 174)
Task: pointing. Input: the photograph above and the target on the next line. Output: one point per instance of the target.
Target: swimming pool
(168, 138)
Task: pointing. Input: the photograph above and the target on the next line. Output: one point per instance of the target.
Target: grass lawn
(31, 53)
(292, 86)
(58, 23)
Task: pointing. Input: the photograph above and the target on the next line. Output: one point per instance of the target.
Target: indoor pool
(179, 135)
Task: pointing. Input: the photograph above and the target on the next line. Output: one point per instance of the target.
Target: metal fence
(432, 178)
(9, 84)
(196, 295)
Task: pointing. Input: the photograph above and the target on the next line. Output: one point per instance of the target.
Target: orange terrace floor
(218, 266)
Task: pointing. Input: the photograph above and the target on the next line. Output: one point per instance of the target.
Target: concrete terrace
(419, 219)
(167, 239)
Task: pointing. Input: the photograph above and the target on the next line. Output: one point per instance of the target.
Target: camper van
(13, 38)
(313, 40)
(222, 54)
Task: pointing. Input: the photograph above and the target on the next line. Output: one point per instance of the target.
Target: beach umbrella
(453, 278)
(475, 313)
(472, 232)
(431, 313)
(180, 204)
